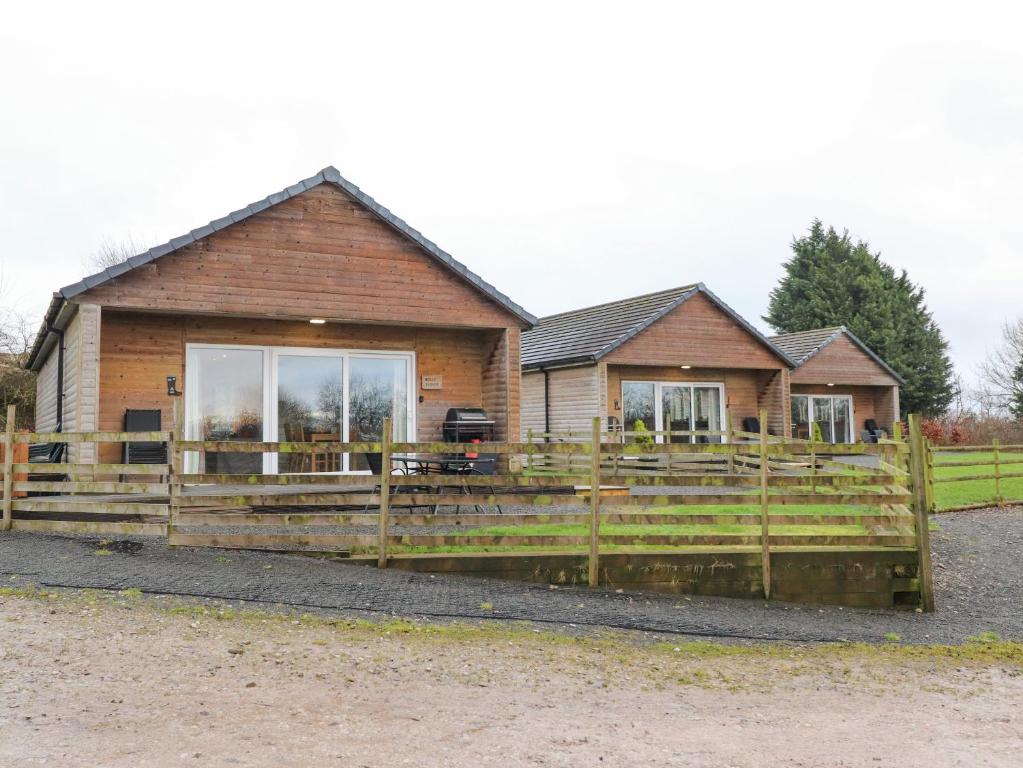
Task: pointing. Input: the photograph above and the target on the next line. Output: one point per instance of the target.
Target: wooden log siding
(319, 254)
(500, 375)
(139, 350)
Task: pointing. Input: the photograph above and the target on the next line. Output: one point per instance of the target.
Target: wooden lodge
(681, 360)
(677, 360)
(313, 314)
(840, 386)
(296, 376)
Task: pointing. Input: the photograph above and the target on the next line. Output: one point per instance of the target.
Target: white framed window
(294, 394)
(665, 406)
(831, 414)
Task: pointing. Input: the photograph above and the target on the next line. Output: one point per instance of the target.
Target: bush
(642, 435)
(933, 431)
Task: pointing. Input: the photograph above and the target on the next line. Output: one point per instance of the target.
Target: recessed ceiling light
(317, 320)
(685, 367)
(830, 384)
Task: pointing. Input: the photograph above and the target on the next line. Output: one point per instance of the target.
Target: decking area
(757, 517)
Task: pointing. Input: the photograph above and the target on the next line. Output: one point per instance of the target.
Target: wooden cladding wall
(573, 399)
(697, 333)
(138, 352)
(46, 395)
(842, 362)
(319, 254)
(533, 411)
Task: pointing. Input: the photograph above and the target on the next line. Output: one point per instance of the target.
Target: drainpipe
(50, 328)
(546, 402)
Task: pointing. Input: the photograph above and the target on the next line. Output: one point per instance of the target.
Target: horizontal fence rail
(976, 476)
(608, 495)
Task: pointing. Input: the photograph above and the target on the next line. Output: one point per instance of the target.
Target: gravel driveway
(979, 588)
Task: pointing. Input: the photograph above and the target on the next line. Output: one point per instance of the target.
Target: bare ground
(94, 680)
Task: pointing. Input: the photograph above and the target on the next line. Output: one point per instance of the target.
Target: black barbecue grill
(471, 425)
(465, 425)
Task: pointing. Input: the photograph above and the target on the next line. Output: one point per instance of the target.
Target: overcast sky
(569, 154)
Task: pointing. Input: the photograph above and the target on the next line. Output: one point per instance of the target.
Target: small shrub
(933, 431)
(486, 606)
(892, 637)
(642, 433)
(102, 552)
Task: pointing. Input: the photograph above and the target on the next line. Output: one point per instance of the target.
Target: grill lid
(467, 416)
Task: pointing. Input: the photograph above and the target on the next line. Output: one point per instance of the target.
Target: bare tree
(999, 374)
(112, 252)
(17, 386)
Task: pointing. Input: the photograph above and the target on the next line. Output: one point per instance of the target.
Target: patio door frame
(270, 426)
(659, 402)
(809, 413)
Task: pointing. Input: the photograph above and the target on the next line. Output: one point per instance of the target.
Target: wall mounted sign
(433, 382)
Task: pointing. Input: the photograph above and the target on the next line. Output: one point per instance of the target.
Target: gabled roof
(328, 175)
(803, 345)
(586, 335)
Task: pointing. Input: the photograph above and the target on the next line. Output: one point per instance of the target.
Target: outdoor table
(412, 464)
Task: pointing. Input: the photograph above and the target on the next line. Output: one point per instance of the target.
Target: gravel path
(979, 585)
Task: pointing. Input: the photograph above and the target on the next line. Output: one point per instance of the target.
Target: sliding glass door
(379, 389)
(294, 395)
(674, 407)
(832, 414)
(310, 408)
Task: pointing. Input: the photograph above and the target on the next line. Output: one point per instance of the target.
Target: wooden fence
(758, 498)
(992, 475)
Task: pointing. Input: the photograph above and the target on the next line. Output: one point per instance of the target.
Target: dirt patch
(128, 681)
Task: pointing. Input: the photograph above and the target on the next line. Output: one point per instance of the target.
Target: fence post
(813, 463)
(385, 494)
(6, 522)
(529, 456)
(728, 439)
(594, 563)
(918, 472)
(765, 534)
(177, 467)
(996, 444)
(929, 463)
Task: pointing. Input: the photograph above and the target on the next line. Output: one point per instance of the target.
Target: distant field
(952, 495)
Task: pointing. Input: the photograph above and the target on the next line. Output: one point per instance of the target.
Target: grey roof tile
(588, 334)
(803, 345)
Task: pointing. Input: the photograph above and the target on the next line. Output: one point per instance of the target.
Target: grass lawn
(952, 495)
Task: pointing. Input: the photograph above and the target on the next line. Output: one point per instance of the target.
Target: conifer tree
(832, 280)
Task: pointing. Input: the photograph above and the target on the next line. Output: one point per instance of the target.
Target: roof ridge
(830, 328)
(681, 288)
